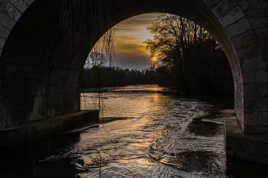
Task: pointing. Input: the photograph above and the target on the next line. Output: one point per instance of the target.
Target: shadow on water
(26, 162)
(50, 157)
(196, 160)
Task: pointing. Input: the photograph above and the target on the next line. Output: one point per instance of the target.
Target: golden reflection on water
(125, 104)
(155, 98)
(147, 130)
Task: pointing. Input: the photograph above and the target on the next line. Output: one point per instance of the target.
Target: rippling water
(152, 135)
(146, 132)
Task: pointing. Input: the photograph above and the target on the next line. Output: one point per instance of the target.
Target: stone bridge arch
(43, 45)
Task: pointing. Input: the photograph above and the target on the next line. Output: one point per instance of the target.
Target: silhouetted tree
(181, 44)
(173, 36)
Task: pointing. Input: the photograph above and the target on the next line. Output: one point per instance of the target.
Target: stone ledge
(252, 148)
(41, 128)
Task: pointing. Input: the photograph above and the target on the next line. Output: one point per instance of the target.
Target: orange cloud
(129, 36)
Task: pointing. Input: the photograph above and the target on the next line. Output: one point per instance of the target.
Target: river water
(145, 132)
(152, 134)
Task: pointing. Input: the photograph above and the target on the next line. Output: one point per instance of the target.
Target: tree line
(101, 76)
(189, 59)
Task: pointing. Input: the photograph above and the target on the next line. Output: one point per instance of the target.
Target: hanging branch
(102, 51)
(108, 45)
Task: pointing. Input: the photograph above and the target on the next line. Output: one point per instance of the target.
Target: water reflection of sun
(154, 59)
(155, 97)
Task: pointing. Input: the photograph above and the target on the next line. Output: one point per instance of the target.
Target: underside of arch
(43, 45)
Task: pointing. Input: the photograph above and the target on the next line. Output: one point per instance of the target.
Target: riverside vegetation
(189, 60)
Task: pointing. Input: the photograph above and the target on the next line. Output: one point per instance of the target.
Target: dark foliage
(99, 76)
(190, 59)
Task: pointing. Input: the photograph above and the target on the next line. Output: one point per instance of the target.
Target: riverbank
(34, 130)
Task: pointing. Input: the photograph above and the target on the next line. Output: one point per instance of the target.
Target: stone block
(263, 89)
(2, 43)
(245, 40)
(3, 4)
(256, 11)
(19, 4)
(28, 2)
(13, 12)
(238, 28)
(255, 90)
(261, 76)
(232, 16)
(245, 45)
(262, 108)
(247, 69)
(257, 118)
(6, 21)
(212, 3)
(4, 32)
(222, 8)
(249, 77)
(250, 116)
(253, 65)
(243, 4)
(250, 93)
(248, 53)
(258, 76)
(257, 104)
(260, 25)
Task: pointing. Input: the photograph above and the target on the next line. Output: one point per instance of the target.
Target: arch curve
(43, 45)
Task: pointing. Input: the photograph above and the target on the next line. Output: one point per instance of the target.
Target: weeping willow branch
(108, 45)
(102, 52)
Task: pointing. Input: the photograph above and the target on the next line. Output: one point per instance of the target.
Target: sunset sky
(129, 36)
